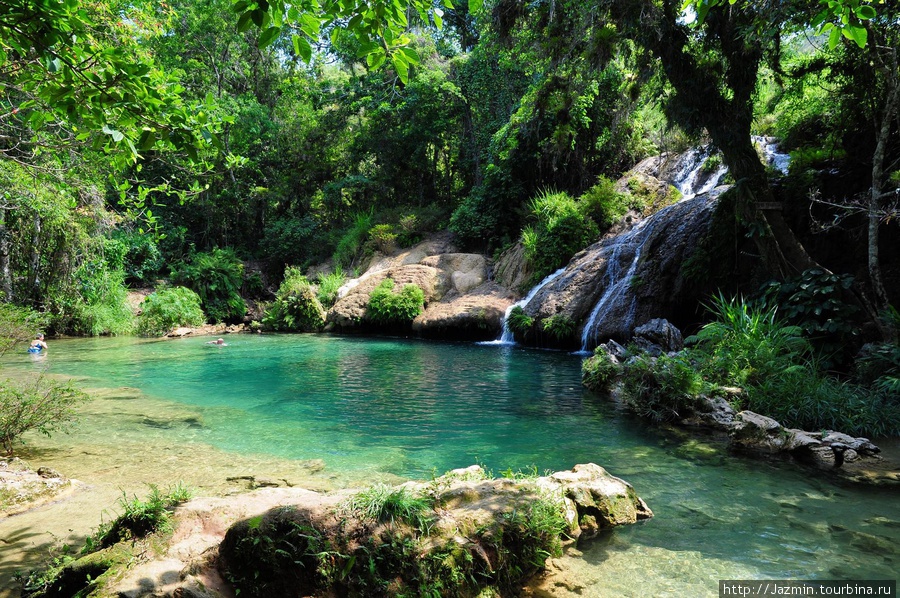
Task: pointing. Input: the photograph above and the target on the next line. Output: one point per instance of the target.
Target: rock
(460, 302)
(511, 270)
(634, 290)
(478, 525)
(756, 432)
(615, 350)
(46, 472)
(658, 336)
(711, 412)
(601, 500)
(179, 332)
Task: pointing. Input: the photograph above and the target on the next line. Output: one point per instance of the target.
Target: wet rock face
(627, 280)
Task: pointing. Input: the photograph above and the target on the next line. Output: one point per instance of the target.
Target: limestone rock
(600, 499)
(461, 303)
(633, 289)
(658, 336)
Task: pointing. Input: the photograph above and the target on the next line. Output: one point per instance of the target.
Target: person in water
(38, 345)
(220, 342)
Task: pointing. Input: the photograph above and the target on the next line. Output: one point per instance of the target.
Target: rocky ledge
(464, 533)
(461, 301)
(23, 488)
(850, 458)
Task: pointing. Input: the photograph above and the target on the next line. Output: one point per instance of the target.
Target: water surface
(334, 411)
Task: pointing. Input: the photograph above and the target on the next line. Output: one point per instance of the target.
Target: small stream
(327, 412)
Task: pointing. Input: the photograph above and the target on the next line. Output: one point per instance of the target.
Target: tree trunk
(5, 273)
(35, 262)
(876, 192)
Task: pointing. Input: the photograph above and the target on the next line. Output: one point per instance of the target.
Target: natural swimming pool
(372, 409)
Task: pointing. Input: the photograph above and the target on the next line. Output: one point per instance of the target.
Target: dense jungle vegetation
(174, 144)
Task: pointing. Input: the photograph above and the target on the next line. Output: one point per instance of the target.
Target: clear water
(381, 409)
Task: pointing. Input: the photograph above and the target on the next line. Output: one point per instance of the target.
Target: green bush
(329, 284)
(475, 221)
(143, 260)
(38, 405)
(815, 301)
(519, 322)
(96, 301)
(18, 325)
(775, 366)
(296, 307)
(384, 238)
(599, 371)
(558, 327)
(217, 277)
(169, 308)
(560, 230)
(662, 388)
(604, 204)
(351, 246)
(293, 241)
(385, 504)
(387, 307)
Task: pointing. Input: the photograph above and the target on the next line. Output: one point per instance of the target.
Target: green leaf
(475, 5)
(858, 34)
(243, 23)
(268, 36)
(412, 57)
(401, 66)
(834, 38)
(376, 58)
(116, 135)
(302, 48)
(239, 6)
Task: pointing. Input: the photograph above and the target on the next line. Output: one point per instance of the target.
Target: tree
(43, 406)
(379, 25)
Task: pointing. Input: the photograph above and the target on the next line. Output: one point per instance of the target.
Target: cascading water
(775, 158)
(506, 336)
(693, 176)
(617, 284)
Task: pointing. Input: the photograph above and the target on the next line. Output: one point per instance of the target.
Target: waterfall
(775, 158)
(692, 177)
(617, 284)
(506, 337)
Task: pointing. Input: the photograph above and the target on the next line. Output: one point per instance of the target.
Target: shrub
(661, 388)
(774, 364)
(387, 307)
(18, 324)
(99, 302)
(604, 204)
(385, 504)
(558, 327)
(296, 307)
(599, 371)
(814, 301)
(217, 277)
(519, 322)
(383, 238)
(475, 221)
(293, 241)
(142, 260)
(169, 308)
(560, 231)
(40, 405)
(329, 284)
(351, 244)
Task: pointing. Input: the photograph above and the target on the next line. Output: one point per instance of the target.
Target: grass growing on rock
(393, 541)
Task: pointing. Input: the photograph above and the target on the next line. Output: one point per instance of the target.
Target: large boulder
(461, 302)
(459, 529)
(625, 280)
